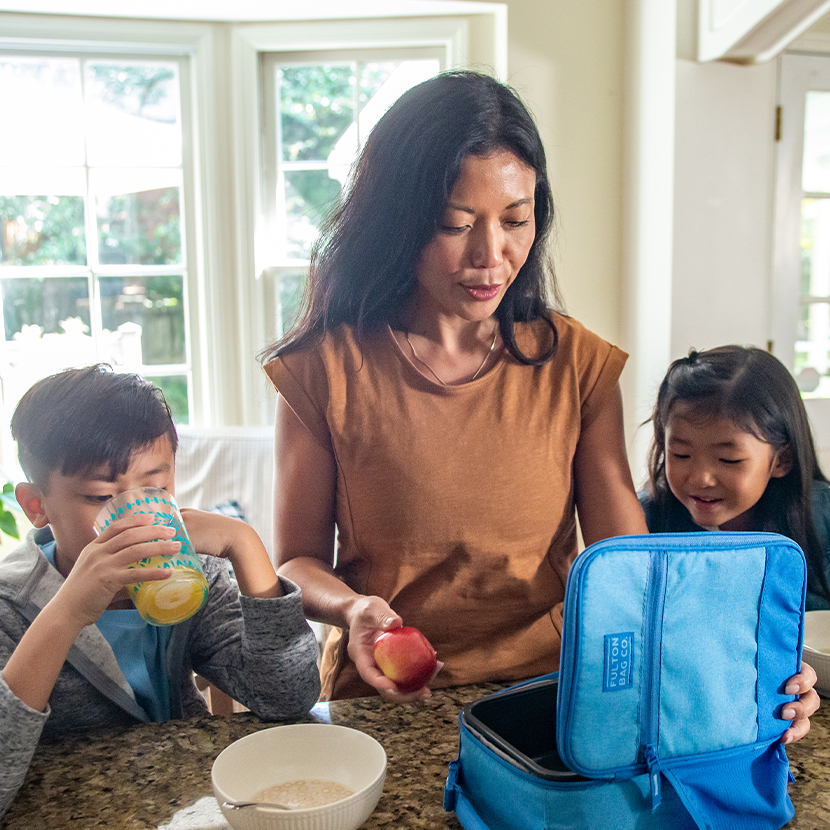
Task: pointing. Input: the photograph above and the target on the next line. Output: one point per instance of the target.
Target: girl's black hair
(85, 419)
(363, 266)
(755, 391)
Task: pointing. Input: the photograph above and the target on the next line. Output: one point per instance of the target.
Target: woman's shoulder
(570, 324)
(588, 355)
(562, 321)
(572, 334)
(312, 351)
(332, 360)
(300, 347)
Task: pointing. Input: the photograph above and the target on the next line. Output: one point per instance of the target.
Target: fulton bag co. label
(616, 673)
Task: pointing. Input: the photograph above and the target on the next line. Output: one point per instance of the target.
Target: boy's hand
(101, 571)
(97, 575)
(235, 540)
(212, 533)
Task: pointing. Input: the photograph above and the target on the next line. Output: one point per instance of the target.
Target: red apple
(406, 657)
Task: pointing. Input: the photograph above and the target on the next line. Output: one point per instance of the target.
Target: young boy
(75, 653)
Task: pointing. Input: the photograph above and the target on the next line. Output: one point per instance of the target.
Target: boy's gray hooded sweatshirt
(261, 652)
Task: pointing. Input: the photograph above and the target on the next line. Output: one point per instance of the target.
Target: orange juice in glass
(185, 591)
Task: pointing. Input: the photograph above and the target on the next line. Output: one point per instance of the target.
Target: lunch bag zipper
(652, 653)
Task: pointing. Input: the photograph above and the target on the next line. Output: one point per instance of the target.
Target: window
(801, 321)
(92, 260)
(319, 108)
(209, 307)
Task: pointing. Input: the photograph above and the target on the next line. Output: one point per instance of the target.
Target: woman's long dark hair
(755, 391)
(363, 267)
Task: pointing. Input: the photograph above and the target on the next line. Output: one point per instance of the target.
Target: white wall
(821, 26)
(724, 156)
(566, 60)
(589, 72)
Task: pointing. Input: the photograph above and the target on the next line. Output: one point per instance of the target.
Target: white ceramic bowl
(817, 647)
(307, 751)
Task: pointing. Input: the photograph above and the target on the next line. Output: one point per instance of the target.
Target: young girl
(732, 450)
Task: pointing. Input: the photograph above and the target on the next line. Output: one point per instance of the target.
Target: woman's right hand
(368, 618)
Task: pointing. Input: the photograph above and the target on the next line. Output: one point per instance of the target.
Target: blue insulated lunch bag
(664, 715)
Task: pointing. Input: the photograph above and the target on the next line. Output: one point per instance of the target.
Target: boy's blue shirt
(139, 649)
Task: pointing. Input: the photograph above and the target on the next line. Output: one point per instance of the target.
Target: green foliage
(44, 302)
(142, 228)
(132, 88)
(291, 294)
(42, 230)
(317, 104)
(316, 107)
(175, 393)
(8, 523)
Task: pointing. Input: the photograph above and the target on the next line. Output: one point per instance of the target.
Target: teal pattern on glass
(186, 558)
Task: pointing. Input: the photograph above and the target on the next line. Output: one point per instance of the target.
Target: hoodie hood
(29, 582)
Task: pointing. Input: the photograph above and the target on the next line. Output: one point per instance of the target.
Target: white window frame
(797, 73)
(93, 270)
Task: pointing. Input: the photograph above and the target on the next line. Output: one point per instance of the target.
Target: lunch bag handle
(456, 801)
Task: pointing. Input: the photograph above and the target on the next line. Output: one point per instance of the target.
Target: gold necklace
(435, 374)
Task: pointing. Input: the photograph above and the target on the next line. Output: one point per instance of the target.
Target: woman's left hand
(799, 711)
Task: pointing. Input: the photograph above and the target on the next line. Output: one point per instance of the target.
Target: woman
(435, 411)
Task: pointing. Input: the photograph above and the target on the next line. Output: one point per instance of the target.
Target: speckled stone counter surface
(158, 775)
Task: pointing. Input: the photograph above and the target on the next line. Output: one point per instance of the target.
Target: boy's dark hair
(83, 419)
(755, 391)
(363, 267)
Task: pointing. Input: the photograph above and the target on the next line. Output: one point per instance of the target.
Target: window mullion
(357, 84)
(91, 230)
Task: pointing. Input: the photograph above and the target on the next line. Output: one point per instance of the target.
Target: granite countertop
(158, 775)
